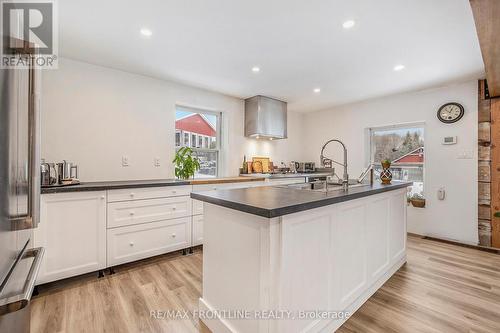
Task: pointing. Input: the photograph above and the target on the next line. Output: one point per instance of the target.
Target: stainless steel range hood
(265, 117)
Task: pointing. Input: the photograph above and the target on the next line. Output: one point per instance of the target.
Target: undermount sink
(320, 186)
(335, 187)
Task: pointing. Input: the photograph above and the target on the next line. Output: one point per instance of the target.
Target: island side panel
(335, 257)
(236, 266)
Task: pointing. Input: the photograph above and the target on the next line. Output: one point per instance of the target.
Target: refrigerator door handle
(34, 152)
(18, 302)
(32, 218)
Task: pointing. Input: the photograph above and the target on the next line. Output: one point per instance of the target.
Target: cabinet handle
(103, 197)
(131, 243)
(174, 235)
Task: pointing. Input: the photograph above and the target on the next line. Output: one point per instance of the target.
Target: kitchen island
(310, 257)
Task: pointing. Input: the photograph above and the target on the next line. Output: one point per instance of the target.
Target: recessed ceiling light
(317, 90)
(349, 24)
(398, 68)
(255, 69)
(146, 32)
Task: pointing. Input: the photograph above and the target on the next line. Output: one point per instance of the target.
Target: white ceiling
(299, 45)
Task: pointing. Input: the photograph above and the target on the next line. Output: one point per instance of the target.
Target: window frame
(371, 151)
(218, 137)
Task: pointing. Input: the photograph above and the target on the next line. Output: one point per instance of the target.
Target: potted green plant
(185, 163)
(418, 200)
(386, 164)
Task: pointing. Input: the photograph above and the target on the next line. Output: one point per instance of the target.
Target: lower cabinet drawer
(148, 193)
(197, 230)
(142, 211)
(136, 242)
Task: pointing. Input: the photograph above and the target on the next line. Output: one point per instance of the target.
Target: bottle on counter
(244, 166)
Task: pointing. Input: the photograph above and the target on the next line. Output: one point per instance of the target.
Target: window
(177, 138)
(404, 147)
(193, 140)
(200, 130)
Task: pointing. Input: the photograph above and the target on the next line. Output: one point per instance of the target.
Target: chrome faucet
(323, 159)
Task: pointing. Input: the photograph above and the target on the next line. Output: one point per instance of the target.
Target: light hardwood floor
(442, 288)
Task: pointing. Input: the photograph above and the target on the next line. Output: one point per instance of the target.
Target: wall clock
(450, 113)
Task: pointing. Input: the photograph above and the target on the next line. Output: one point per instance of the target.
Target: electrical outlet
(125, 161)
(157, 162)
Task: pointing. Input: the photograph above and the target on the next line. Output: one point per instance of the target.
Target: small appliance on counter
(304, 167)
(58, 174)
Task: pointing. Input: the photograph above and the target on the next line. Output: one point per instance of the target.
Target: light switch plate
(466, 155)
(157, 162)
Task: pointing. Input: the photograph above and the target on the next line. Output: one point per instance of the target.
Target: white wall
(94, 115)
(454, 218)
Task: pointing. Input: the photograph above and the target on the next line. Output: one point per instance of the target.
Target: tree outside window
(404, 147)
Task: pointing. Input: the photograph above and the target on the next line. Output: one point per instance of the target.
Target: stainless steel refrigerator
(19, 195)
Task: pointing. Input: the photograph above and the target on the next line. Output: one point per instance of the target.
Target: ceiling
(298, 45)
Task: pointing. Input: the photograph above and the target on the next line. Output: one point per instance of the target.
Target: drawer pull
(131, 244)
(214, 188)
(103, 197)
(132, 213)
(174, 235)
(132, 194)
(174, 192)
(174, 208)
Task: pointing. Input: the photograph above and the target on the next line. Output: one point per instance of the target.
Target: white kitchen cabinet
(141, 241)
(72, 230)
(197, 230)
(125, 213)
(149, 193)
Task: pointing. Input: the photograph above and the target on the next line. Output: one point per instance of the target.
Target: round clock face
(450, 113)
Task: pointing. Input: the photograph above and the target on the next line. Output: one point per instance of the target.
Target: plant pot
(418, 203)
(386, 174)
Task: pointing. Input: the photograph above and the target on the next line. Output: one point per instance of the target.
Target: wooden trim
(487, 19)
(226, 180)
(469, 246)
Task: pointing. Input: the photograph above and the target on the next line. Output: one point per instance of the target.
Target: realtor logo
(28, 28)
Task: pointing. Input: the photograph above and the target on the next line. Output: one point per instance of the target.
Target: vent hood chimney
(265, 117)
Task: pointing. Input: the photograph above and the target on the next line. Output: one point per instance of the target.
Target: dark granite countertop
(288, 175)
(274, 201)
(114, 185)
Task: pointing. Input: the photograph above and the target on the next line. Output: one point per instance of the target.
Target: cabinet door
(197, 230)
(72, 230)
